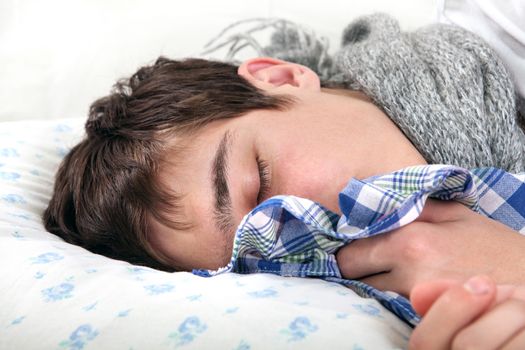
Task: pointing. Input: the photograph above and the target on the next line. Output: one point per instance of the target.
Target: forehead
(191, 152)
(185, 167)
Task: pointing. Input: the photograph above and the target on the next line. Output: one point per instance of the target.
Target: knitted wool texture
(442, 85)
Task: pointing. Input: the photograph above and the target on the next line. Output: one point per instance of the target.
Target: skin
(475, 314)
(337, 135)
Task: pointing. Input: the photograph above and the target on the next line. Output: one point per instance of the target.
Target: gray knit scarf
(443, 86)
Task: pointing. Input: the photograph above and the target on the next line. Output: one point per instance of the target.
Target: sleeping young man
(176, 157)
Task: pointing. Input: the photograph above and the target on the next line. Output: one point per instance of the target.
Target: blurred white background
(57, 56)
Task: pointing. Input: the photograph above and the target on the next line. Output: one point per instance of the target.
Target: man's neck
(346, 92)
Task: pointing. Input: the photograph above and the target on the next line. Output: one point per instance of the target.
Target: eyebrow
(219, 177)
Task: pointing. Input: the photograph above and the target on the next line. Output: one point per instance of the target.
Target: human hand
(474, 315)
(448, 240)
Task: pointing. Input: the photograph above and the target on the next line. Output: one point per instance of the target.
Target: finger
(423, 295)
(516, 343)
(519, 292)
(389, 281)
(493, 328)
(363, 257)
(506, 291)
(436, 211)
(455, 309)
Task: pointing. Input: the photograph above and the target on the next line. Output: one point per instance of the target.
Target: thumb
(424, 294)
(457, 307)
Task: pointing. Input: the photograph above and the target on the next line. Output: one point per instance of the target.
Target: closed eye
(264, 179)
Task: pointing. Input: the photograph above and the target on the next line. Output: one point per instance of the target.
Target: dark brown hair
(107, 186)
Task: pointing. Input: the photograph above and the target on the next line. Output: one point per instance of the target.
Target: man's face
(310, 150)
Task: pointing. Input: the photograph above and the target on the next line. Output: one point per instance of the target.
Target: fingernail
(477, 285)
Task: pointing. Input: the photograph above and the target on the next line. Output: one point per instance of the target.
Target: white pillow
(58, 296)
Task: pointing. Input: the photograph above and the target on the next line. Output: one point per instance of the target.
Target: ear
(270, 73)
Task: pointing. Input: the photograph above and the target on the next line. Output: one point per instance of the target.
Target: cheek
(303, 176)
(311, 175)
(211, 249)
